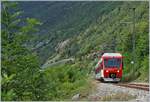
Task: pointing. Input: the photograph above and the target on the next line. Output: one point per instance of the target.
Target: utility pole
(114, 43)
(133, 39)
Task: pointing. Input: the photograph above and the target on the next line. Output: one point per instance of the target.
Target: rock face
(76, 97)
(62, 45)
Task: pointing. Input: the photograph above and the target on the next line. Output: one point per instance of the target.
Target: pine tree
(20, 67)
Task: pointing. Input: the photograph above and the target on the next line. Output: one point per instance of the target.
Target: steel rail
(135, 86)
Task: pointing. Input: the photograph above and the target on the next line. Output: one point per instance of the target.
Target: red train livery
(109, 67)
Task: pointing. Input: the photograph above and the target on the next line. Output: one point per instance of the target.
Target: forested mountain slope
(90, 27)
(63, 20)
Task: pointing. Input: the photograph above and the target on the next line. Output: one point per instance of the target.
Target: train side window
(101, 65)
(122, 64)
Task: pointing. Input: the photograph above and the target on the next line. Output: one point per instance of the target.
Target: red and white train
(109, 67)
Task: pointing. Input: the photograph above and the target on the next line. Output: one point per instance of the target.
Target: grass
(88, 89)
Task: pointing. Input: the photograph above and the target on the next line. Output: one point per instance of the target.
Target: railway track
(135, 86)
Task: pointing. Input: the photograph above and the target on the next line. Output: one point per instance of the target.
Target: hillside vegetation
(35, 33)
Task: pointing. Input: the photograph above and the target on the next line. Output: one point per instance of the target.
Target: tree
(20, 67)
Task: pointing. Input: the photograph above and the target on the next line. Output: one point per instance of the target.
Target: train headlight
(118, 71)
(107, 71)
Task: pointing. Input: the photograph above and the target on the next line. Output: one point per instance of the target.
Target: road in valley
(47, 65)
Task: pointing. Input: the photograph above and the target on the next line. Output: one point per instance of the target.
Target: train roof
(111, 55)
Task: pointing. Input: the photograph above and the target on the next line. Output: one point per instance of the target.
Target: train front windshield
(112, 63)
